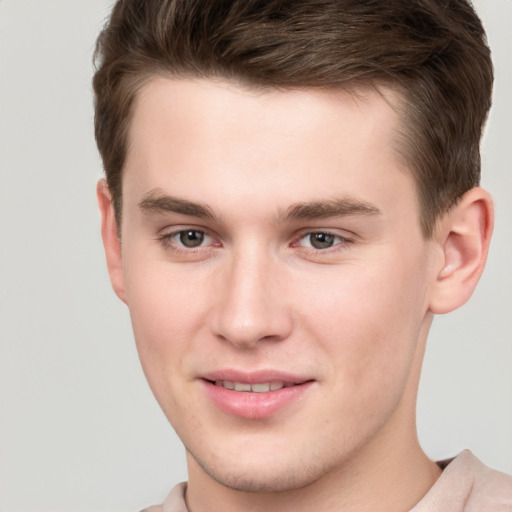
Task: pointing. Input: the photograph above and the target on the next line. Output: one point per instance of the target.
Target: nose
(251, 303)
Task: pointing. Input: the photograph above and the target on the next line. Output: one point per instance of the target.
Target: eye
(184, 239)
(320, 240)
(190, 238)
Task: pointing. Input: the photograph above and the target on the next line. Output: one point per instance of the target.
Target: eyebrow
(157, 202)
(341, 207)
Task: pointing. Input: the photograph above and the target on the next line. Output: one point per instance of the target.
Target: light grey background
(79, 429)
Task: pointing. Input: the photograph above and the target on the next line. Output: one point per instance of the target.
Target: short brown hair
(433, 51)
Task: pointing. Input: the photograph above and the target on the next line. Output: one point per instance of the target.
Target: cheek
(167, 311)
(165, 300)
(162, 316)
(368, 321)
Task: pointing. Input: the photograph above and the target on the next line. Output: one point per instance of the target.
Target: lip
(252, 405)
(254, 377)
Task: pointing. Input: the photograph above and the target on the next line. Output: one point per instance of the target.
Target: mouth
(255, 395)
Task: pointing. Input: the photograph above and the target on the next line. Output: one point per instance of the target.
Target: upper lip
(254, 377)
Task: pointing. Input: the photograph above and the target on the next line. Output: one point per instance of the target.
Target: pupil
(322, 240)
(191, 238)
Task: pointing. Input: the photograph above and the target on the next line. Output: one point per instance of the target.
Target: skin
(235, 167)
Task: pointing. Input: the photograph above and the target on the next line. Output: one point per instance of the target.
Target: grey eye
(321, 240)
(191, 238)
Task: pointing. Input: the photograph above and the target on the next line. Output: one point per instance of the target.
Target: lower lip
(253, 405)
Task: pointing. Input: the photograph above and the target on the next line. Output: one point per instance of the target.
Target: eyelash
(340, 241)
(168, 242)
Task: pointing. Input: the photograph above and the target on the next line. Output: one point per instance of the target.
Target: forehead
(218, 140)
(206, 103)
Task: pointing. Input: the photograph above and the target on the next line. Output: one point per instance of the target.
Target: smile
(261, 387)
(255, 395)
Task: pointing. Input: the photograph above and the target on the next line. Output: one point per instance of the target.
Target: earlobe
(111, 242)
(464, 235)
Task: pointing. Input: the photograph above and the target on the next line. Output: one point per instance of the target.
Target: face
(276, 276)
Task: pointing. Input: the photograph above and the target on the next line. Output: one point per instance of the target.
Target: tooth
(240, 386)
(260, 388)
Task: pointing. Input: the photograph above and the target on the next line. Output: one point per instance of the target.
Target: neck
(369, 480)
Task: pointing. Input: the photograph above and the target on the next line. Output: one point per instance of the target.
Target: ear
(111, 242)
(463, 234)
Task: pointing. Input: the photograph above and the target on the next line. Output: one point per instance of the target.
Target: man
(291, 194)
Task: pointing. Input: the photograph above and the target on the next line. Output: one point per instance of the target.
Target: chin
(271, 477)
